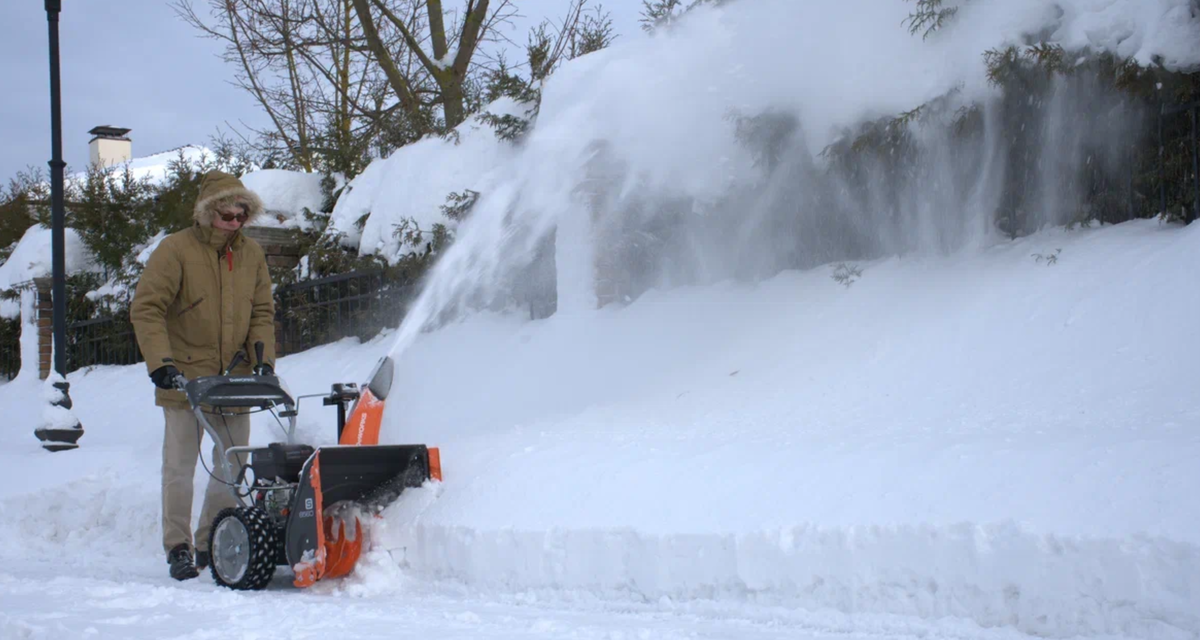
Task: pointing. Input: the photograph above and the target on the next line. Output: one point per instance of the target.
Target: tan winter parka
(204, 294)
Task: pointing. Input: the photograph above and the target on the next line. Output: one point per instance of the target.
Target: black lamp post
(58, 435)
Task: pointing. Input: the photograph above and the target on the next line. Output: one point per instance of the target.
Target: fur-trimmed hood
(218, 189)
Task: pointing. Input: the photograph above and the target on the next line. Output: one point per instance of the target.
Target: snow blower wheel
(242, 548)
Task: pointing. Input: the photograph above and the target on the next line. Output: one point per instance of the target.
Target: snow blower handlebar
(223, 394)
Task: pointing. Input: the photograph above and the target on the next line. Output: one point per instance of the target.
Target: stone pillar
(277, 244)
(43, 304)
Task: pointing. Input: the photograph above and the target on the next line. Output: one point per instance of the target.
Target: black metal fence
(357, 304)
(1179, 160)
(308, 314)
(10, 348)
(101, 341)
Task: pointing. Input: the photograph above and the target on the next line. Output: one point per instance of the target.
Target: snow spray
(653, 143)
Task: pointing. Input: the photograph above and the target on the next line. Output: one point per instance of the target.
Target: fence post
(278, 338)
(1162, 159)
(1133, 162)
(1195, 169)
(44, 311)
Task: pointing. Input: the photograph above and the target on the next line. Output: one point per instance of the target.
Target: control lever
(340, 395)
(237, 359)
(258, 354)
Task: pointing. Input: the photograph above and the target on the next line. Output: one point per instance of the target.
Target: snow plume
(696, 155)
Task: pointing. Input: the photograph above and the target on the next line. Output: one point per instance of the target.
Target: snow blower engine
(301, 506)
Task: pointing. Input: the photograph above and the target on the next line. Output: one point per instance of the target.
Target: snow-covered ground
(981, 445)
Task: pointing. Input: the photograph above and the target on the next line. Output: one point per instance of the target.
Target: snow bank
(285, 194)
(995, 575)
(994, 438)
(989, 438)
(413, 183)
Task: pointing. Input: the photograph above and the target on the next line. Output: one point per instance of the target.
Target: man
(204, 295)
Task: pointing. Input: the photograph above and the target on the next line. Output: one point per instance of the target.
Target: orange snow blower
(302, 506)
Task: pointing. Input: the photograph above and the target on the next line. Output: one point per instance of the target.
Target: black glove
(164, 377)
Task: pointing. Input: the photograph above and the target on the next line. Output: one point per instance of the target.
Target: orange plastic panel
(362, 427)
(435, 464)
(308, 572)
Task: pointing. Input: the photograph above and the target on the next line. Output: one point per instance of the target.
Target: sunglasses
(230, 217)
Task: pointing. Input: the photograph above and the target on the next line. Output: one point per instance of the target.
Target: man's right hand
(164, 376)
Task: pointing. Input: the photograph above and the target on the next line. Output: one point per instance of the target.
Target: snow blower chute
(299, 505)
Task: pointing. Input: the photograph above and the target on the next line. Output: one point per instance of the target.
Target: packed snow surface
(962, 446)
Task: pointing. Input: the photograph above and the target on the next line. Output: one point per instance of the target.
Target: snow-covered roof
(155, 167)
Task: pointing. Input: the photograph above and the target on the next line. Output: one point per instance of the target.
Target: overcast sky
(135, 64)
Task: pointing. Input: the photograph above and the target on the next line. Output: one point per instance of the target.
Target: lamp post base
(62, 429)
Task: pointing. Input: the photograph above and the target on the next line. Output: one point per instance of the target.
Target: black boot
(180, 559)
(201, 559)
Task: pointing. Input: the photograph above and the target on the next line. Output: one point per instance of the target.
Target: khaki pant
(181, 445)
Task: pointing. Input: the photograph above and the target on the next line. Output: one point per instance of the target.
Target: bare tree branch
(399, 83)
(469, 39)
(413, 45)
